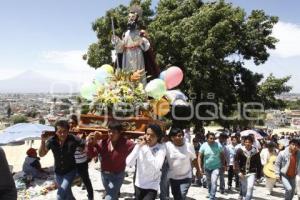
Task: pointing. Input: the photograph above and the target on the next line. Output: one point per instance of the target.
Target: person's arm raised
(43, 150)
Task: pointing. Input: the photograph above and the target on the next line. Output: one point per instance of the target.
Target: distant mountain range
(33, 82)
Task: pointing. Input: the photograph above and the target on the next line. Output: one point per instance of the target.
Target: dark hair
(249, 138)
(74, 118)
(115, 125)
(62, 123)
(195, 140)
(271, 145)
(223, 135)
(294, 141)
(157, 130)
(210, 134)
(174, 131)
(234, 136)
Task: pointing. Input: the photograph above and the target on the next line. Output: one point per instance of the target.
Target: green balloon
(88, 90)
(156, 88)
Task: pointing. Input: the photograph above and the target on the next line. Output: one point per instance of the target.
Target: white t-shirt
(149, 162)
(80, 156)
(179, 160)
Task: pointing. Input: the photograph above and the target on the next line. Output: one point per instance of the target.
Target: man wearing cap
(63, 146)
(113, 151)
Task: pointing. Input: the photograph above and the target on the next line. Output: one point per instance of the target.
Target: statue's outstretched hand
(137, 75)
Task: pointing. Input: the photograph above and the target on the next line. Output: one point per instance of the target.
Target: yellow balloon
(161, 107)
(108, 68)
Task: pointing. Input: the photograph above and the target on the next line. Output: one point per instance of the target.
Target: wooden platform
(134, 126)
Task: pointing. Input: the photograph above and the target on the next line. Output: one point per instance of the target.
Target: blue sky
(50, 36)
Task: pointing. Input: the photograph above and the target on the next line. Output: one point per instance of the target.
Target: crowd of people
(171, 160)
(167, 161)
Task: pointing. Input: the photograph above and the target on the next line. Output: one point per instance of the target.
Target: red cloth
(112, 161)
(291, 172)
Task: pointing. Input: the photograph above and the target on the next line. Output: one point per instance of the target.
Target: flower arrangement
(120, 94)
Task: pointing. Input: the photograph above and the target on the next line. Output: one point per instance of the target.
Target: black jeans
(8, 194)
(144, 194)
(180, 188)
(230, 177)
(83, 171)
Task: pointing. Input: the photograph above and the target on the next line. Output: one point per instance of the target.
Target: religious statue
(135, 49)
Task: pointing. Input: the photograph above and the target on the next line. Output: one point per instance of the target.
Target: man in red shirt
(286, 167)
(113, 152)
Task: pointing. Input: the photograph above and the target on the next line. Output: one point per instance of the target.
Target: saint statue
(135, 49)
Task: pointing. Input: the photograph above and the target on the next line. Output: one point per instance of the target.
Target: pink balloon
(173, 77)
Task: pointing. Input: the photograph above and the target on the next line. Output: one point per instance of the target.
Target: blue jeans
(212, 176)
(64, 191)
(164, 182)
(289, 185)
(112, 184)
(247, 186)
(180, 188)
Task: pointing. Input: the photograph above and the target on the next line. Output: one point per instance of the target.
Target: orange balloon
(161, 107)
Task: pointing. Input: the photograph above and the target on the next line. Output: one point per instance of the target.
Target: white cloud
(289, 39)
(69, 65)
(70, 59)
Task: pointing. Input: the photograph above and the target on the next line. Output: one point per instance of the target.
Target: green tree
(66, 101)
(19, 119)
(42, 121)
(209, 41)
(8, 111)
(293, 105)
(32, 113)
(271, 87)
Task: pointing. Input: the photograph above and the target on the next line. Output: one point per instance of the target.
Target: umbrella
(23, 131)
(253, 132)
(284, 142)
(261, 132)
(174, 95)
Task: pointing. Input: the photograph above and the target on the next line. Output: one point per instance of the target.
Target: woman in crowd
(268, 157)
(149, 156)
(180, 155)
